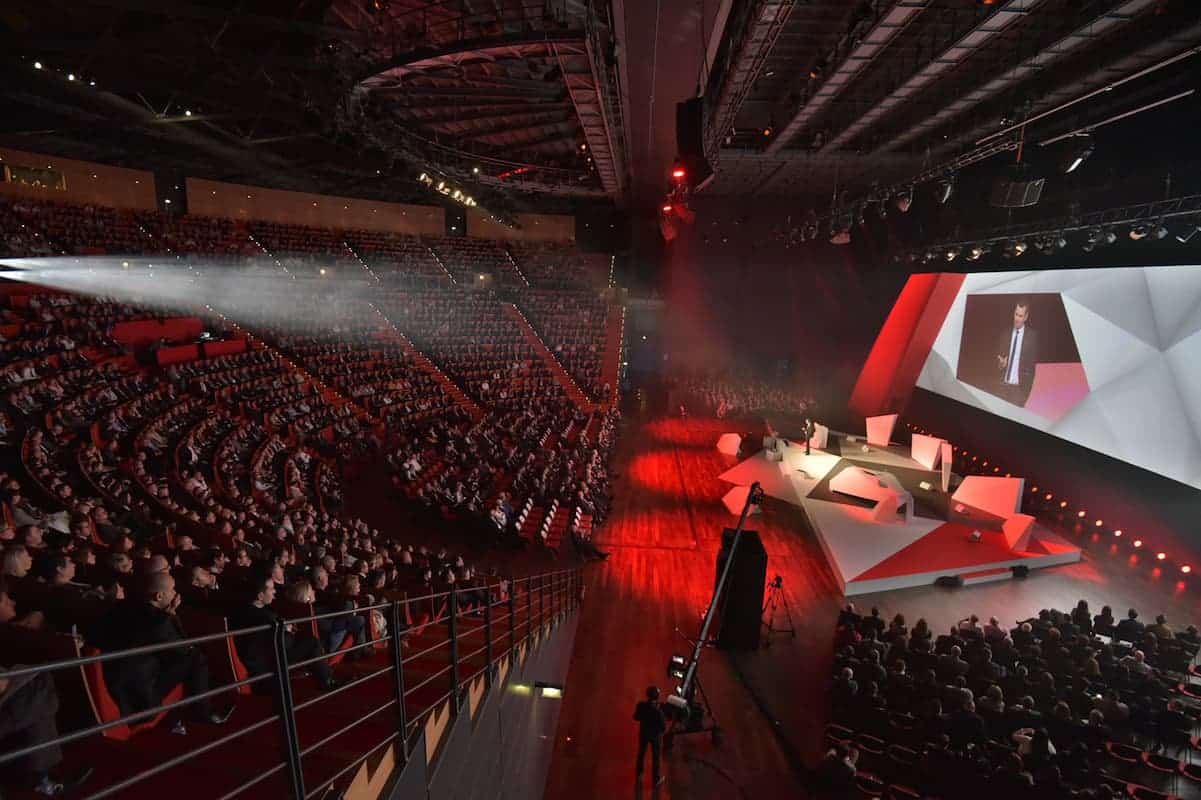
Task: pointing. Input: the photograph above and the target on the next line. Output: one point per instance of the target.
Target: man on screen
(1017, 354)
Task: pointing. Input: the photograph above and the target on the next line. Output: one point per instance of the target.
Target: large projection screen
(1109, 359)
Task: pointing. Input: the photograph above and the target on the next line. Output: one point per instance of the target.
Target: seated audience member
(1161, 629)
(836, 772)
(140, 682)
(257, 650)
(28, 707)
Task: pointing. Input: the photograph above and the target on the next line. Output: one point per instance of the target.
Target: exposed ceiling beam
(472, 91)
(1112, 15)
(517, 131)
(425, 58)
(183, 10)
(552, 138)
(884, 29)
(525, 122)
(1146, 52)
(466, 112)
(985, 30)
(756, 30)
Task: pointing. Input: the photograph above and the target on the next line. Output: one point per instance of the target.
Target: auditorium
(572, 399)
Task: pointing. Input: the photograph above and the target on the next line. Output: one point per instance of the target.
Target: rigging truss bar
(986, 29)
(584, 85)
(1156, 211)
(763, 26)
(887, 26)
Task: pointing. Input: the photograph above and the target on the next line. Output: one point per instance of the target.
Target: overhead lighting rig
(1146, 222)
(447, 189)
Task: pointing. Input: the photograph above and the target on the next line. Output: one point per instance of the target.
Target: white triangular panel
(1175, 296)
(1121, 297)
(1106, 350)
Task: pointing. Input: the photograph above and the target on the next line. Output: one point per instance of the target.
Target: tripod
(777, 601)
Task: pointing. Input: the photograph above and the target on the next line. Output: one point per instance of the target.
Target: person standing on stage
(1017, 356)
(651, 727)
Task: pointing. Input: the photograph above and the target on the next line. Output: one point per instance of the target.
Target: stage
(871, 552)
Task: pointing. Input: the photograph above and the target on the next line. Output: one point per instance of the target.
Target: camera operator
(651, 727)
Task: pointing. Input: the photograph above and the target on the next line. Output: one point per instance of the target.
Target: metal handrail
(555, 595)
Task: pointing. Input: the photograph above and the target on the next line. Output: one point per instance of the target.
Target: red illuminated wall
(896, 359)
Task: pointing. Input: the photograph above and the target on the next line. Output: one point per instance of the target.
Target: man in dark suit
(1017, 354)
(138, 683)
(257, 649)
(651, 727)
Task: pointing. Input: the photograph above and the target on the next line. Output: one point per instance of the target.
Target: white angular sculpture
(735, 500)
(879, 429)
(881, 487)
(1017, 531)
(729, 443)
(926, 450)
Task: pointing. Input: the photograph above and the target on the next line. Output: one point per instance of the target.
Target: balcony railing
(438, 645)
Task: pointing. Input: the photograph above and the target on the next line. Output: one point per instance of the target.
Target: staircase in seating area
(615, 328)
(430, 368)
(582, 401)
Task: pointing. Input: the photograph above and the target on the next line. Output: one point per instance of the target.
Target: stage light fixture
(976, 251)
(1139, 232)
(1186, 569)
(1063, 503)
(1099, 523)
(1079, 154)
(1161, 556)
(1118, 533)
(944, 189)
(70, 76)
(666, 208)
(1137, 543)
(677, 667)
(1188, 233)
(37, 65)
(1048, 497)
(1161, 232)
(1061, 242)
(1081, 513)
(904, 200)
(953, 253)
(1110, 237)
(678, 173)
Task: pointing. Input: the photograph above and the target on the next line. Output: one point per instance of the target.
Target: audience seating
(946, 716)
(232, 465)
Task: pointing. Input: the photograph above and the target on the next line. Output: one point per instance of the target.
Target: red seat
(105, 707)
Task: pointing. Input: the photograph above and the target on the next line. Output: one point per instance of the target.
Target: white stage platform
(867, 555)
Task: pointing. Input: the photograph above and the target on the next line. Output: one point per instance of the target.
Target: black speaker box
(690, 142)
(949, 581)
(1016, 192)
(741, 604)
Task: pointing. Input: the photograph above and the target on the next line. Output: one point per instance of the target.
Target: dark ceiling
(351, 97)
(547, 104)
(861, 96)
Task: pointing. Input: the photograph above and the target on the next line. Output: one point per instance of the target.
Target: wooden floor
(664, 533)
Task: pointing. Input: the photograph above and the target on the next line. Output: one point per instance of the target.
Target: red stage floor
(664, 534)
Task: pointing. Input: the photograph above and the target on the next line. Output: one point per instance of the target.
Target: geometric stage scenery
(1136, 332)
(880, 530)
